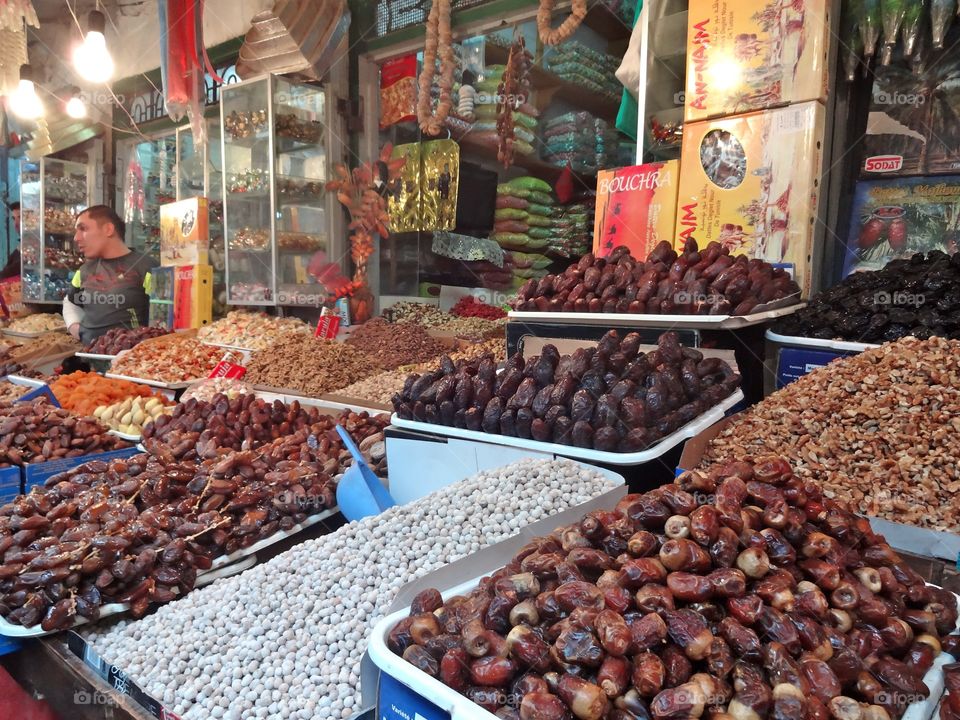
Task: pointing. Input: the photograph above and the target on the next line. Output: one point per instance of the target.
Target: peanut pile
(878, 430)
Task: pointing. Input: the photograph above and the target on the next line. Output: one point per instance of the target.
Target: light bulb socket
(26, 73)
(96, 22)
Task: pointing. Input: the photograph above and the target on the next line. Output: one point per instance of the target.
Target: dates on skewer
(815, 622)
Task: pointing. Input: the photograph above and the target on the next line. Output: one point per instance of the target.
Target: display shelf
(271, 157)
(549, 87)
(607, 23)
(56, 190)
(531, 163)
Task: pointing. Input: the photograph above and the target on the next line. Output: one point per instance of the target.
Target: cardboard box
(746, 55)
(636, 207)
(901, 216)
(751, 183)
(192, 296)
(185, 233)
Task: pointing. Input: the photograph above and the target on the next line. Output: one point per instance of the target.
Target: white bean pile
(285, 638)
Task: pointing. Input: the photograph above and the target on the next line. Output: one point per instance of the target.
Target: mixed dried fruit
(171, 359)
(84, 392)
(611, 398)
(741, 593)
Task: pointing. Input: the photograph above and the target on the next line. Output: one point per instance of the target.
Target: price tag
(328, 325)
(228, 368)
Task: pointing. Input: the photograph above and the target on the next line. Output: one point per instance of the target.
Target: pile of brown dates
(740, 593)
(37, 431)
(950, 707)
(200, 429)
(611, 398)
(139, 530)
(695, 282)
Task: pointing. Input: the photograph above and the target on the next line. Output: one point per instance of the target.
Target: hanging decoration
(297, 38)
(15, 15)
(900, 29)
(554, 36)
(513, 90)
(439, 41)
(184, 62)
(363, 192)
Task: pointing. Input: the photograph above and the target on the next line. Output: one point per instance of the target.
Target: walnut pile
(878, 430)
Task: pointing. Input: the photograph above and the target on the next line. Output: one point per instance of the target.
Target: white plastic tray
(25, 381)
(95, 356)
(461, 708)
(125, 436)
(34, 335)
(842, 345)
(155, 383)
(222, 567)
(706, 322)
(691, 429)
(285, 396)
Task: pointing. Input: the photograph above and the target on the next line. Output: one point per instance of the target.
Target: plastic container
(692, 428)
(797, 356)
(405, 691)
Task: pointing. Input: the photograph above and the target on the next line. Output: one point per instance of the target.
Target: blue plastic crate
(9, 645)
(37, 474)
(395, 701)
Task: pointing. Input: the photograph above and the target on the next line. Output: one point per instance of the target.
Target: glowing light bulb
(76, 108)
(91, 59)
(24, 101)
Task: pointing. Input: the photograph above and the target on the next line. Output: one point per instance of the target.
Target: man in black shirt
(12, 268)
(107, 291)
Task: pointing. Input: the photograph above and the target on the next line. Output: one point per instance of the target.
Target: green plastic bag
(531, 183)
(541, 197)
(510, 214)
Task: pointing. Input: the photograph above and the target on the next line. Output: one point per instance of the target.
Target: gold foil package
(424, 197)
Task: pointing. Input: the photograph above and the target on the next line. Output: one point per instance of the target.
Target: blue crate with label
(37, 473)
(395, 701)
(794, 363)
(10, 484)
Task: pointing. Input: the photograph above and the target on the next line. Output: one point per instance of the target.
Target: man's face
(16, 219)
(91, 236)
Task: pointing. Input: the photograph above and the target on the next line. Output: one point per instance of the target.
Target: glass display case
(149, 182)
(52, 192)
(276, 212)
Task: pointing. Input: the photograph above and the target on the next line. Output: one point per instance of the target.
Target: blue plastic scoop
(360, 493)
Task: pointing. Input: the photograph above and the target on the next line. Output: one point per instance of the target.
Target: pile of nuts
(474, 328)
(37, 432)
(309, 366)
(44, 346)
(919, 296)
(610, 398)
(877, 430)
(206, 390)
(130, 416)
(391, 345)
(712, 282)
(138, 531)
(9, 392)
(118, 339)
(173, 359)
(741, 594)
(379, 388)
(39, 323)
(497, 347)
(252, 331)
(417, 312)
(247, 634)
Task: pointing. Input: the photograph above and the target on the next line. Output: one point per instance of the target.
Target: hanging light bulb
(24, 101)
(91, 59)
(75, 107)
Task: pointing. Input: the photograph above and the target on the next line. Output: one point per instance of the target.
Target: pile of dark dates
(919, 296)
(37, 431)
(737, 594)
(708, 282)
(611, 398)
(118, 339)
(950, 706)
(140, 530)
